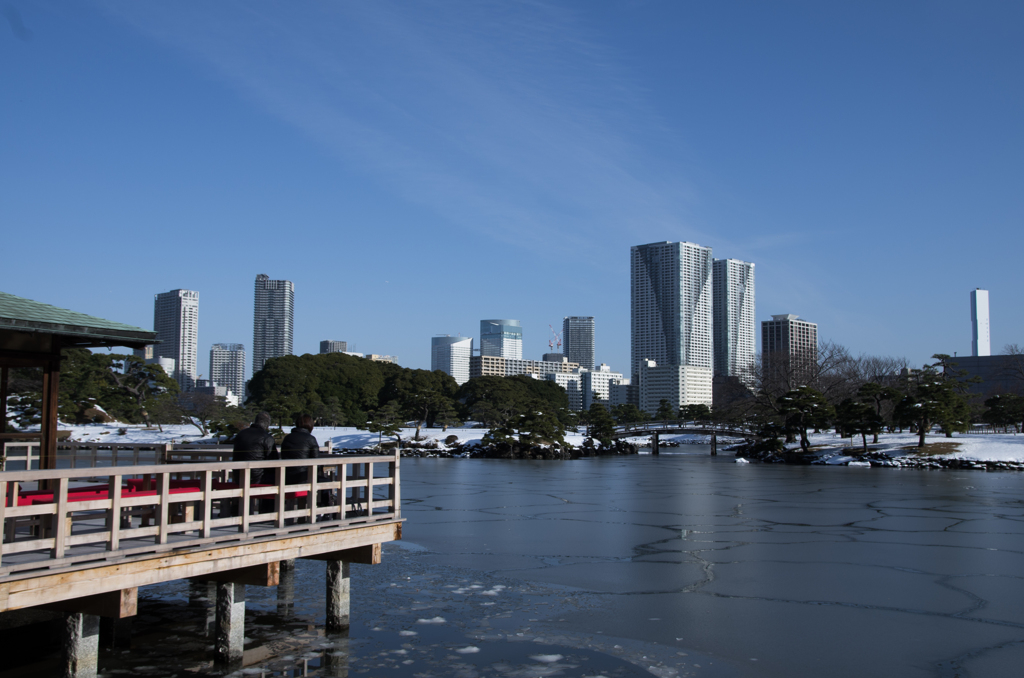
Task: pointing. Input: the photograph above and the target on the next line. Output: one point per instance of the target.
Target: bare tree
(202, 409)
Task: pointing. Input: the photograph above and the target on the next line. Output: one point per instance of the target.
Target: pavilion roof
(75, 329)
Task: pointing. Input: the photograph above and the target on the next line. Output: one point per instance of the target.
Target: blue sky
(414, 167)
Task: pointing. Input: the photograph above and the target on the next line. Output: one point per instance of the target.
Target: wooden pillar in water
(81, 644)
(654, 443)
(337, 596)
(286, 589)
(714, 444)
(229, 641)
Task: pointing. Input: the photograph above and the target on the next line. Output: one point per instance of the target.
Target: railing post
(206, 485)
(57, 522)
(164, 508)
(343, 491)
(114, 518)
(396, 490)
(244, 526)
(314, 472)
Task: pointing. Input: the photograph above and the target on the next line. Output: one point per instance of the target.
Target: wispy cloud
(509, 118)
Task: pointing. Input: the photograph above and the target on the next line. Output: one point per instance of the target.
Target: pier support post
(116, 634)
(714, 444)
(286, 589)
(229, 642)
(81, 644)
(337, 596)
(654, 443)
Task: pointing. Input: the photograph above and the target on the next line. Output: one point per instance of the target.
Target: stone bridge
(655, 429)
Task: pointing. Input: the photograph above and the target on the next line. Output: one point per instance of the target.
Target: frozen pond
(682, 564)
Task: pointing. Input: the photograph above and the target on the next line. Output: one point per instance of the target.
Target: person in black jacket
(256, 444)
(300, 444)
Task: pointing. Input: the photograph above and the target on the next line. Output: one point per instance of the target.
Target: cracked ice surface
(679, 565)
(767, 570)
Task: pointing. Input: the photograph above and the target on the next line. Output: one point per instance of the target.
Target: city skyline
(878, 134)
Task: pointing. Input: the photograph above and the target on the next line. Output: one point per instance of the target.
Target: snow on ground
(1005, 447)
(995, 447)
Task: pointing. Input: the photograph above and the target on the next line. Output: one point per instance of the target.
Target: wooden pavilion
(32, 334)
(85, 549)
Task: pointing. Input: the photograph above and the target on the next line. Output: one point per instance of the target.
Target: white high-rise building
(176, 323)
(578, 340)
(572, 383)
(227, 367)
(980, 342)
(671, 305)
(735, 322)
(273, 318)
(501, 338)
(680, 385)
(451, 355)
(598, 382)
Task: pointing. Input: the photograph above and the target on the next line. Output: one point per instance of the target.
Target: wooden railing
(24, 456)
(54, 519)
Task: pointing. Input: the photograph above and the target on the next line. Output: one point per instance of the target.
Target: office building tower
(329, 346)
(596, 385)
(578, 340)
(451, 355)
(733, 317)
(227, 367)
(670, 319)
(980, 342)
(789, 348)
(176, 323)
(501, 338)
(553, 357)
(273, 317)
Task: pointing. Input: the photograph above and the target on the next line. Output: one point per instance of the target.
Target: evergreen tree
(805, 408)
(602, 427)
(932, 399)
(665, 411)
(1005, 410)
(695, 412)
(855, 417)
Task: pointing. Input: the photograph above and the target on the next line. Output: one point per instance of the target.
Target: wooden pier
(81, 540)
(84, 548)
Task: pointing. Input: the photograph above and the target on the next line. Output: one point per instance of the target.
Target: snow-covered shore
(827, 448)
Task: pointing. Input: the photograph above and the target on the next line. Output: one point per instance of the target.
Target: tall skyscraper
(176, 323)
(578, 340)
(501, 338)
(980, 342)
(790, 351)
(451, 355)
(273, 317)
(734, 318)
(328, 346)
(670, 304)
(227, 367)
